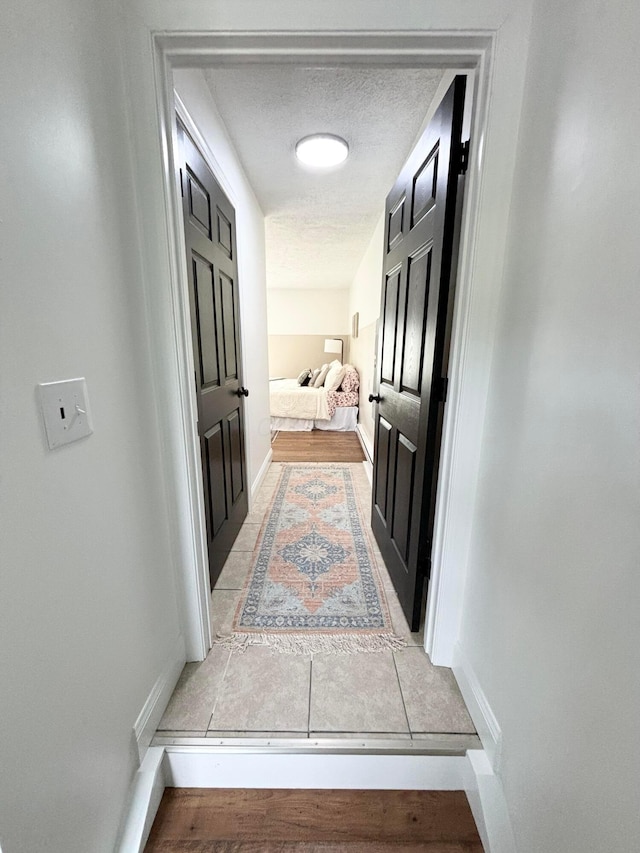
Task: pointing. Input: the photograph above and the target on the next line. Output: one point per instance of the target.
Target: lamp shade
(333, 345)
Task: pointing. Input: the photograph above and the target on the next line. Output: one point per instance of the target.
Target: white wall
(308, 312)
(364, 295)
(196, 96)
(88, 616)
(290, 354)
(551, 621)
(299, 322)
(364, 299)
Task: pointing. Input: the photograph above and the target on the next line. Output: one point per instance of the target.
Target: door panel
(215, 478)
(383, 446)
(236, 466)
(395, 224)
(413, 349)
(225, 234)
(199, 204)
(415, 322)
(405, 468)
(425, 186)
(209, 224)
(389, 328)
(206, 345)
(227, 292)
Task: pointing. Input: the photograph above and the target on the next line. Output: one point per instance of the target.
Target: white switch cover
(65, 409)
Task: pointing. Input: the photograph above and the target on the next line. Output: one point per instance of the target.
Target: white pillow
(319, 382)
(335, 376)
(314, 376)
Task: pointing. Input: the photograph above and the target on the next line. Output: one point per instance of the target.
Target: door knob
(374, 398)
(242, 392)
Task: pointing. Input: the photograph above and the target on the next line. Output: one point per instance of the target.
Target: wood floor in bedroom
(313, 821)
(317, 446)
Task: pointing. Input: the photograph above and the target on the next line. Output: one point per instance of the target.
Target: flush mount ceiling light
(322, 150)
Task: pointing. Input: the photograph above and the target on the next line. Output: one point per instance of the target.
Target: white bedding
(345, 419)
(289, 400)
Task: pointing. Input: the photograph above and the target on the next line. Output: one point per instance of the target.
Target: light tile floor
(395, 695)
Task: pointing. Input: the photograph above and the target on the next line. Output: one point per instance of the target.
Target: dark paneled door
(417, 286)
(210, 238)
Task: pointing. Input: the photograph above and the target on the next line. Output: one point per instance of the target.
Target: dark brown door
(210, 238)
(420, 238)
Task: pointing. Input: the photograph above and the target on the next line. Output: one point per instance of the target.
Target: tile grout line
(395, 666)
(215, 704)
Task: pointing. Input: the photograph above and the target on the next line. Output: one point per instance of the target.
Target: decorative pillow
(304, 376)
(319, 381)
(335, 376)
(306, 380)
(313, 377)
(351, 381)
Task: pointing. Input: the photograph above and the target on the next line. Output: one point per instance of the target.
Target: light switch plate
(65, 409)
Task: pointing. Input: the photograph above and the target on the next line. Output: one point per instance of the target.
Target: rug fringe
(296, 644)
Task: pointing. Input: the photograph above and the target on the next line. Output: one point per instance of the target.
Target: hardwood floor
(317, 446)
(308, 821)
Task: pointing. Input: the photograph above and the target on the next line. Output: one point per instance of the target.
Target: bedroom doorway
(316, 206)
(479, 258)
(314, 517)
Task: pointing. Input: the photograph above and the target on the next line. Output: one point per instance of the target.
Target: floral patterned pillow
(351, 381)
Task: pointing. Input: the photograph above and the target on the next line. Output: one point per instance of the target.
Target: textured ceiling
(318, 224)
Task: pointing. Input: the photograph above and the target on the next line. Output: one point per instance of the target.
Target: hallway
(390, 695)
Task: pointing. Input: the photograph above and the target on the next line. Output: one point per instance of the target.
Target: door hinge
(425, 567)
(443, 387)
(463, 158)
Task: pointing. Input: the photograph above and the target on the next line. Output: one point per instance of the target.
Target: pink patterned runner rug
(314, 585)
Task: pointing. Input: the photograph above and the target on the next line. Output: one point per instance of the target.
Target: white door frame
(474, 313)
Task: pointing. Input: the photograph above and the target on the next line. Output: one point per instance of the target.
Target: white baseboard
(145, 794)
(368, 452)
(482, 715)
(365, 441)
(262, 473)
(145, 726)
(213, 767)
(488, 805)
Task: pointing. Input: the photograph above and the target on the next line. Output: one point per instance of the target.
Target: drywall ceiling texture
(318, 225)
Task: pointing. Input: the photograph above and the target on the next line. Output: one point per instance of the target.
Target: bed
(295, 408)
